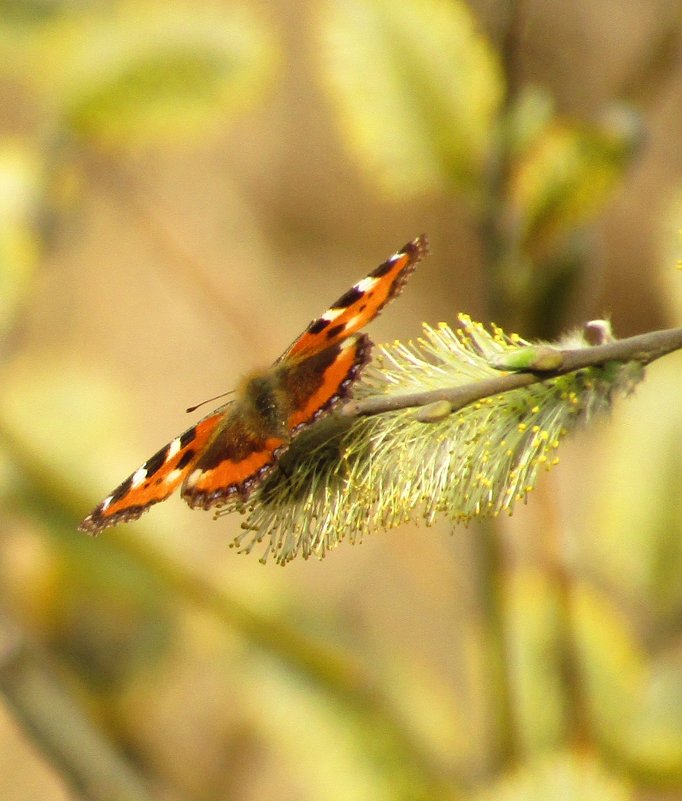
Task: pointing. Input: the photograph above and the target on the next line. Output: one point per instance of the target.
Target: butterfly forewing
(155, 480)
(363, 301)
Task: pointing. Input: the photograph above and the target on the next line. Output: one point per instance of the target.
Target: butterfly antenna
(191, 409)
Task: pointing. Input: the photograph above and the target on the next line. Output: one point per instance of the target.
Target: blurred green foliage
(556, 674)
(422, 103)
(417, 91)
(140, 74)
(20, 201)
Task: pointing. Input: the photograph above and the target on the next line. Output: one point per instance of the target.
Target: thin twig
(643, 348)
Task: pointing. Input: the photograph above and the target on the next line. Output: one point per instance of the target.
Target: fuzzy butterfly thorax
(230, 452)
(264, 406)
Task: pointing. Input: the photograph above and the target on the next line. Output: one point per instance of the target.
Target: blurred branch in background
(89, 764)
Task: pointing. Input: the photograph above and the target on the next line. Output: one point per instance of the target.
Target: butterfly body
(229, 452)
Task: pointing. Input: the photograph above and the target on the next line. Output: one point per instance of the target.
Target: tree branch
(643, 348)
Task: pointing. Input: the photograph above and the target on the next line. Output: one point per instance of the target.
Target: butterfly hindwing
(316, 384)
(237, 459)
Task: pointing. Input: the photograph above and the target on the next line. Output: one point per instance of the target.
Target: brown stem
(643, 348)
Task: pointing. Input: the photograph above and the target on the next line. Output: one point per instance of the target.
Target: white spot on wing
(105, 503)
(354, 320)
(331, 314)
(366, 284)
(194, 476)
(173, 448)
(138, 477)
(172, 476)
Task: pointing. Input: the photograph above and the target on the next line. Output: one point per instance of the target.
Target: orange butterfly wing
(156, 479)
(362, 303)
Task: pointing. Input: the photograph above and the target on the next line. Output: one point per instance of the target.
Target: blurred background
(182, 188)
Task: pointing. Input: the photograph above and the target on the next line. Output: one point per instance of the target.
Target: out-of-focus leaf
(145, 72)
(337, 754)
(416, 90)
(534, 659)
(20, 186)
(86, 601)
(526, 120)
(43, 410)
(566, 175)
(636, 550)
(635, 704)
(639, 549)
(655, 745)
(634, 707)
(612, 663)
(567, 777)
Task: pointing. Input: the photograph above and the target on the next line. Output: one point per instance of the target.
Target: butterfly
(229, 452)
